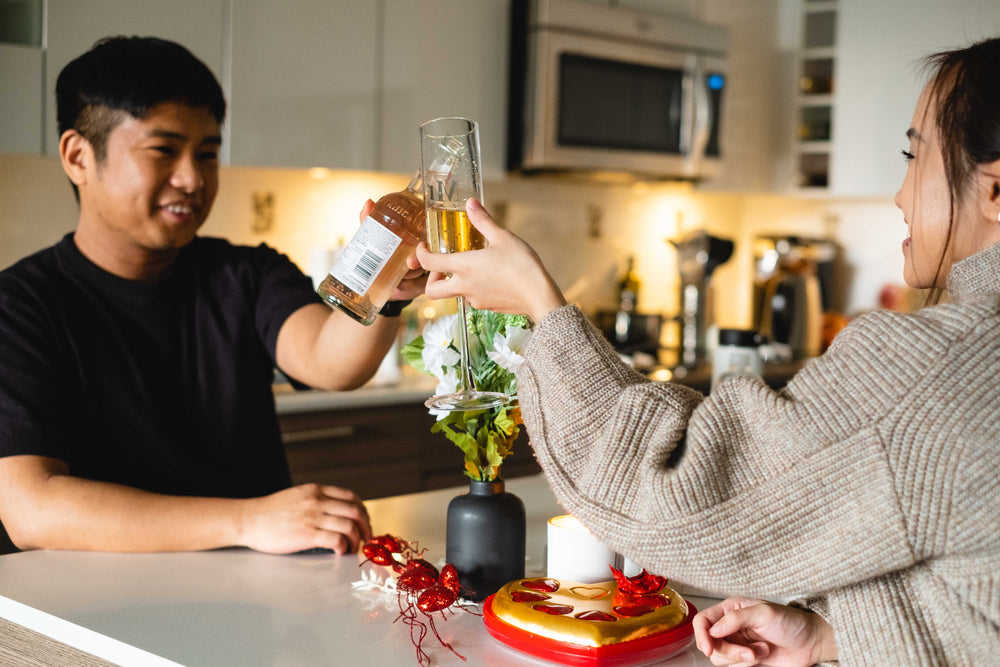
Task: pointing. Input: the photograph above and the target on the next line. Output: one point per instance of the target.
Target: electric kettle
(792, 312)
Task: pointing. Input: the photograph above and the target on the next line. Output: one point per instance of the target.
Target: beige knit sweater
(870, 485)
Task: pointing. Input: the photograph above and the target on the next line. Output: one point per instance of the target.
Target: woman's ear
(989, 190)
(77, 156)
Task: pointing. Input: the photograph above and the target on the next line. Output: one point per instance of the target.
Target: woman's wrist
(826, 644)
(547, 300)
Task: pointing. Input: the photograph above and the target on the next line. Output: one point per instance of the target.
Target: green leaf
(413, 354)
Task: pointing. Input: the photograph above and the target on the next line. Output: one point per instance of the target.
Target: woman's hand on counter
(506, 277)
(304, 517)
(742, 632)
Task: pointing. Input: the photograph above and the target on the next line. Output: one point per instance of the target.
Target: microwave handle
(690, 108)
(702, 117)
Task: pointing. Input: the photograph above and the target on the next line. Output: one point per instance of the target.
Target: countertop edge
(79, 637)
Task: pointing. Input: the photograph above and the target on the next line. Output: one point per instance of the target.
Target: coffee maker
(698, 255)
(793, 287)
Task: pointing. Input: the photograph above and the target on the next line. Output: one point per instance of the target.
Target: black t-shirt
(162, 387)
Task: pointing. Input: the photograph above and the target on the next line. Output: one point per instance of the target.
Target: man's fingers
(366, 210)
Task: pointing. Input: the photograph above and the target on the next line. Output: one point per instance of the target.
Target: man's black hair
(131, 75)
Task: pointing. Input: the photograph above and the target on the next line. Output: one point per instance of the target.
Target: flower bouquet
(496, 344)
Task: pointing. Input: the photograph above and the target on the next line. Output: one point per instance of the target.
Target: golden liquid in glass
(449, 230)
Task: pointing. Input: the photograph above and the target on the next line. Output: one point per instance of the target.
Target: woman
(867, 487)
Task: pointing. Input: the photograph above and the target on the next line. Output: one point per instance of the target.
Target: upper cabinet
(21, 76)
(21, 114)
(304, 81)
(444, 58)
(74, 26)
(856, 81)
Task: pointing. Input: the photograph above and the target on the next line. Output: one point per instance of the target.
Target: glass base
(467, 400)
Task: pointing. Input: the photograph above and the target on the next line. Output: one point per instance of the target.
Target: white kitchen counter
(239, 608)
(408, 389)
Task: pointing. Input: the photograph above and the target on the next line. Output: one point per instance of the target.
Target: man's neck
(127, 261)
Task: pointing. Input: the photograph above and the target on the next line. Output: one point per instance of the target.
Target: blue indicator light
(716, 81)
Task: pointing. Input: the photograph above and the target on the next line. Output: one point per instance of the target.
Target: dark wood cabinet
(381, 451)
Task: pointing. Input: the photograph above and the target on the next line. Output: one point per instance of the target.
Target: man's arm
(42, 506)
(326, 349)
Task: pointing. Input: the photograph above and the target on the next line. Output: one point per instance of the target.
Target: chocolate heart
(544, 585)
(590, 592)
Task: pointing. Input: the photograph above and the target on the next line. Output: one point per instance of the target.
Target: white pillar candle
(574, 554)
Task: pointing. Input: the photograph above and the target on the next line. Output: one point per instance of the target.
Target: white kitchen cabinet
(21, 76)
(444, 58)
(305, 83)
(874, 67)
(878, 80)
(74, 25)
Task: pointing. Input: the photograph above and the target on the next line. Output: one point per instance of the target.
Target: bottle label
(364, 257)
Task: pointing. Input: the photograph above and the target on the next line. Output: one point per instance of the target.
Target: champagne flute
(449, 155)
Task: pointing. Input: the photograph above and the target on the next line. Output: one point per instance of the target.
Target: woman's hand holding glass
(506, 277)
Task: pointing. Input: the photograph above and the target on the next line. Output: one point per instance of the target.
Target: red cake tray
(658, 646)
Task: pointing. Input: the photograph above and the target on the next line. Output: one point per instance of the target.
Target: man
(136, 358)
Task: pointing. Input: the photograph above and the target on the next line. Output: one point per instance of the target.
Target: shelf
(813, 147)
(804, 100)
(813, 131)
(818, 53)
(817, 6)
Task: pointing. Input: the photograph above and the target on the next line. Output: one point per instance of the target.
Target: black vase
(485, 538)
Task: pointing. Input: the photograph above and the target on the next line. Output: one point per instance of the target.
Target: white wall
(558, 217)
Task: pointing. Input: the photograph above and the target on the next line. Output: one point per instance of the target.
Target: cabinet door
(444, 58)
(878, 79)
(21, 102)
(304, 83)
(74, 26)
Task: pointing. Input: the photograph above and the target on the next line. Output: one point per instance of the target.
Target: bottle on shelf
(628, 298)
(628, 288)
(374, 261)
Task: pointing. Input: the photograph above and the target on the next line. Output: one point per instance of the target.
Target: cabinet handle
(317, 434)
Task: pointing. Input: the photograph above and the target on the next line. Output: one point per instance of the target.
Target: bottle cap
(739, 337)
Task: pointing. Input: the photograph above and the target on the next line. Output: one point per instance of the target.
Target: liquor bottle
(628, 288)
(374, 261)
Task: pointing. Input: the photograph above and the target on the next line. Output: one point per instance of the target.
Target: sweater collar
(976, 274)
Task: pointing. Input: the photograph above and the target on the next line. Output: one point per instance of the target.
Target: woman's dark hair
(965, 89)
(131, 75)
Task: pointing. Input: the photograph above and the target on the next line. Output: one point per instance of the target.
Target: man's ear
(77, 156)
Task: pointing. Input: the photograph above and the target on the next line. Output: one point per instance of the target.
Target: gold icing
(586, 597)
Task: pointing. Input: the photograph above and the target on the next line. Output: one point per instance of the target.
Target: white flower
(447, 384)
(509, 350)
(440, 351)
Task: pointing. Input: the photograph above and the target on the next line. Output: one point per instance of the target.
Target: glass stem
(466, 383)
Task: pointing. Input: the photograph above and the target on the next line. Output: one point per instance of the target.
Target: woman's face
(924, 198)
(925, 201)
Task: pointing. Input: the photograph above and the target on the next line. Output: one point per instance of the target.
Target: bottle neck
(416, 185)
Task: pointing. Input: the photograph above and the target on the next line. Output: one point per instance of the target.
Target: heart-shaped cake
(589, 624)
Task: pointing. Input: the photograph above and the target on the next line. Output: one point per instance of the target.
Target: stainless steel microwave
(604, 89)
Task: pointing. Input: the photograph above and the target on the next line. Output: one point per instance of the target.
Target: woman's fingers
(482, 220)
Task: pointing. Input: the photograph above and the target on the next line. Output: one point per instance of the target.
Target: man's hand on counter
(304, 517)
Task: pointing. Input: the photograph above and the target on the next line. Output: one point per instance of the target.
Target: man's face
(157, 183)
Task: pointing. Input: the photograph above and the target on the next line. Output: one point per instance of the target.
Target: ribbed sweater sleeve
(678, 482)
(868, 485)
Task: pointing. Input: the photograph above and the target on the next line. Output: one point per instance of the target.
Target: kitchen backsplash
(583, 231)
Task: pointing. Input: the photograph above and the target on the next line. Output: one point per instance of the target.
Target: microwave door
(611, 105)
